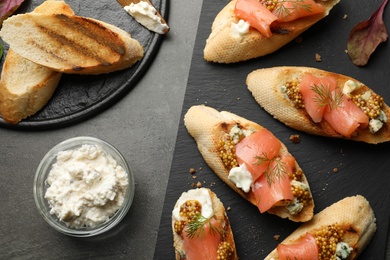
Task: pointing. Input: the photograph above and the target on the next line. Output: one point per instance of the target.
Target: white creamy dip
(86, 186)
(202, 195)
(146, 14)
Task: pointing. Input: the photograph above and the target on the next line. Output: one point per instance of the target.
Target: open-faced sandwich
(201, 228)
(321, 103)
(247, 29)
(341, 231)
(251, 161)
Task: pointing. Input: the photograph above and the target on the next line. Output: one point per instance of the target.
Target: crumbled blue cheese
(295, 207)
(376, 124)
(350, 86)
(343, 250)
(241, 177)
(236, 133)
(239, 29)
(202, 195)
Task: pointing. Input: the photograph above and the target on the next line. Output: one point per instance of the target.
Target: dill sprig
(282, 10)
(325, 97)
(195, 228)
(276, 171)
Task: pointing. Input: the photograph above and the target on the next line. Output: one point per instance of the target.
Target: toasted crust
(354, 214)
(206, 125)
(25, 87)
(220, 214)
(70, 43)
(265, 85)
(224, 46)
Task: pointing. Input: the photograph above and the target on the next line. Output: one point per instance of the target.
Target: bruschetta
(251, 161)
(341, 231)
(321, 103)
(201, 228)
(247, 29)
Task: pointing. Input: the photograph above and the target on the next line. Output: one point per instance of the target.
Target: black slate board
(79, 97)
(362, 168)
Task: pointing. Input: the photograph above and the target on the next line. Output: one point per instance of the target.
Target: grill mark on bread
(96, 33)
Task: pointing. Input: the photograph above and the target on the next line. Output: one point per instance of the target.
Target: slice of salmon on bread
(340, 231)
(252, 162)
(25, 87)
(321, 103)
(201, 227)
(70, 43)
(234, 39)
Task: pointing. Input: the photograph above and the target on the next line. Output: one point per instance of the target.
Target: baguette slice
(206, 240)
(25, 87)
(225, 46)
(208, 126)
(266, 87)
(353, 215)
(70, 43)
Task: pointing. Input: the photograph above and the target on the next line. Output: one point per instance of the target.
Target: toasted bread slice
(353, 215)
(220, 237)
(25, 87)
(224, 45)
(70, 43)
(209, 126)
(266, 87)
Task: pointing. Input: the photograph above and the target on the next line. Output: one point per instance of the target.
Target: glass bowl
(41, 186)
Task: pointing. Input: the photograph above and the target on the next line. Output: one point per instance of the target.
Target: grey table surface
(143, 126)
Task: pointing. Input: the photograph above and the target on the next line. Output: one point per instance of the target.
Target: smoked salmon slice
(287, 11)
(258, 152)
(204, 246)
(259, 145)
(256, 14)
(305, 249)
(346, 117)
(310, 97)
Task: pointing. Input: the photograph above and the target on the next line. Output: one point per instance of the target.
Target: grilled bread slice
(352, 222)
(25, 87)
(213, 236)
(226, 44)
(70, 43)
(209, 127)
(268, 87)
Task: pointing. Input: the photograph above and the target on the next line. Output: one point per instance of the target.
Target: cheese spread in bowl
(83, 187)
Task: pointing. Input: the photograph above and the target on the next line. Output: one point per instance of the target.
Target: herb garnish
(284, 11)
(273, 172)
(195, 227)
(325, 97)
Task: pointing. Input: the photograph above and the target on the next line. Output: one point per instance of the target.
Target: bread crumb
(228, 208)
(335, 170)
(193, 176)
(199, 184)
(318, 57)
(276, 237)
(346, 51)
(345, 16)
(299, 39)
(192, 170)
(295, 139)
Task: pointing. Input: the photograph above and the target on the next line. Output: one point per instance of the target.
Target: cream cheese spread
(202, 196)
(241, 177)
(86, 186)
(240, 28)
(146, 14)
